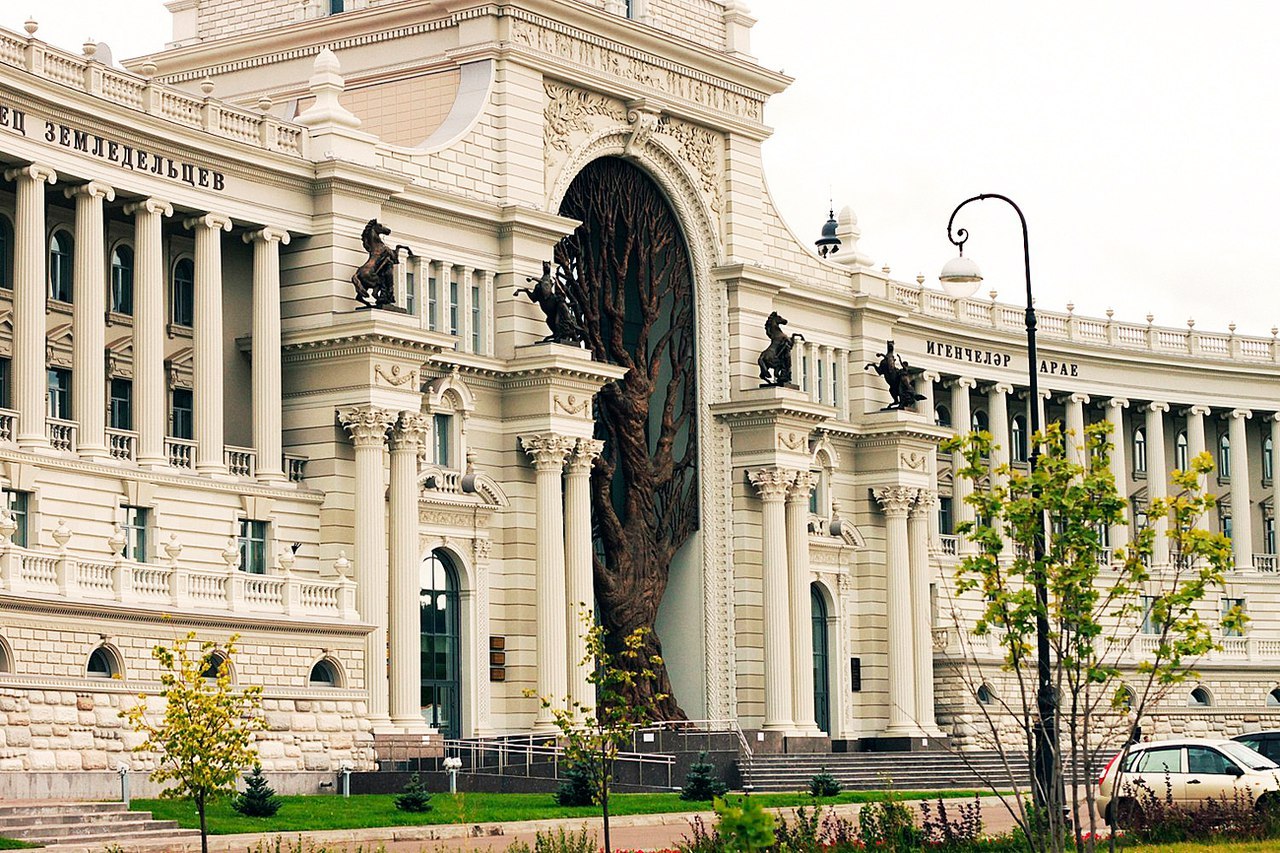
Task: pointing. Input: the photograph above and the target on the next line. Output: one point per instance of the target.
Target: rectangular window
(804, 373)
(6, 386)
(1269, 535)
(477, 329)
(433, 304)
(1149, 623)
(183, 414)
(821, 381)
(835, 382)
(442, 426)
(411, 293)
(59, 394)
(253, 546)
(1225, 521)
(120, 413)
(946, 522)
(1229, 604)
(19, 504)
(135, 533)
(453, 306)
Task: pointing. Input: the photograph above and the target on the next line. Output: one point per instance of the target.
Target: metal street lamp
(960, 278)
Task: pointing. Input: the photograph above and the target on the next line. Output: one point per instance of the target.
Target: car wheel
(1129, 813)
(1269, 804)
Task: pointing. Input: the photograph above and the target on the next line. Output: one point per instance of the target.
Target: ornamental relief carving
(568, 111)
(912, 460)
(395, 377)
(573, 405)
(792, 440)
(703, 150)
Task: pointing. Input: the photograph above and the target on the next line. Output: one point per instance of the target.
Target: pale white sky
(1141, 139)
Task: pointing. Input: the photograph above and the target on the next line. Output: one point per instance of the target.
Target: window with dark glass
(946, 521)
(18, 504)
(433, 303)
(477, 327)
(978, 421)
(821, 380)
(60, 393)
(1267, 457)
(184, 292)
(1018, 438)
(410, 292)
(1227, 606)
(1224, 456)
(183, 414)
(454, 319)
(6, 387)
(1139, 451)
(135, 533)
(122, 280)
(442, 426)
(1181, 457)
(6, 252)
(337, 6)
(942, 415)
(1269, 535)
(1150, 624)
(253, 546)
(101, 664)
(1225, 521)
(120, 413)
(61, 266)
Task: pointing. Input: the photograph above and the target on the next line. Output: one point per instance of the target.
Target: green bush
(744, 825)
(259, 798)
(701, 782)
(414, 797)
(824, 785)
(578, 788)
(889, 825)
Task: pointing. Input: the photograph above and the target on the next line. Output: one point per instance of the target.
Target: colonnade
(150, 394)
(820, 369)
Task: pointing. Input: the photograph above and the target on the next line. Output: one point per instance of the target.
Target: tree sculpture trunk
(627, 270)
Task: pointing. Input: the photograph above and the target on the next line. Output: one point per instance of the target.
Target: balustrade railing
(950, 544)
(8, 425)
(1264, 562)
(62, 434)
(122, 444)
(295, 467)
(181, 452)
(240, 461)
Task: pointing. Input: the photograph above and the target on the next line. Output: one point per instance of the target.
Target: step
(55, 807)
(69, 817)
(84, 830)
(107, 837)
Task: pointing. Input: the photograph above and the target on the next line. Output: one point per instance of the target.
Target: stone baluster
(88, 333)
(797, 523)
(896, 501)
(207, 342)
(30, 254)
(772, 485)
(406, 586)
(267, 425)
(149, 392)
(579, 581)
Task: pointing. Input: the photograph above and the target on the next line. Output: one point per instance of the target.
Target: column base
(892, 742)
(153, 462)
(412, 725)
(34, 442)
(272, 478)
(93, 454)
(211, 470)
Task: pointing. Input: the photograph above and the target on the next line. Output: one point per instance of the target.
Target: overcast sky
(1141, 139)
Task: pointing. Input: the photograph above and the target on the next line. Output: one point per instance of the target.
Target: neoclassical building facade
(202, 429)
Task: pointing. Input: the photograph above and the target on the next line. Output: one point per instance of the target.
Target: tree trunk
(204, 826)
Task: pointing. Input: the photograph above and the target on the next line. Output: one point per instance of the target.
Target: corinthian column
(149, 393)
(548, 452)
(406, 586)
(918, 517)
(896, 501)
(88, 332)
(1118, 534)
(1157, 479)
(797, 520)
(207, 341)
(578, 576)
(772, 484)
(29, 276)
(961, 487)
(267, 440)
(1241, 500)
(367, 426)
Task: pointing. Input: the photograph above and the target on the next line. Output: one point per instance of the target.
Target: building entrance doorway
(821, 659)
(441, 641)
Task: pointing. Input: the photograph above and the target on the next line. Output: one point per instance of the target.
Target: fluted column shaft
(1241, 500)
(772, 485)
(207, 342)
(1075, 429)
(961, 487)
(367, 426)
(998, 421)
(896, 501)
(1118, 534)
(267, 441)
(404, 570)
(149, 393)
(918, 517)
(1274, 421)
(797, 521)
(1158, 478)
(88, 332)
(1195, 442)
(29, 277)
(578, 573)
(548, 453)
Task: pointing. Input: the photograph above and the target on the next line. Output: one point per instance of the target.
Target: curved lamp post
(960, 278)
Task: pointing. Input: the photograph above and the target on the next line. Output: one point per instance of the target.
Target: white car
(1191, 770)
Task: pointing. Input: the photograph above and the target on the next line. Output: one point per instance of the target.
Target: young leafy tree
(593, 737)
(1095, 608)
(203, 740)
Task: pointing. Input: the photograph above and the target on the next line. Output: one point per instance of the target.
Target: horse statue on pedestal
(558, 307)
(897, 376)
(775, 361)
(374, 280)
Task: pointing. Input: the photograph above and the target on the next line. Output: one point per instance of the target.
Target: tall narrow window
(454, 319)
(59, 394)
(804, 372)
(183, 413)
(978, 421)
(337, 6)
(942, 415)
(120, 413)
(184, 293)
(477, 328)
(6, 252)
(1150, 624)
(442, 426)
(253, 546)
(6, 384)
(1224, 521)
(122, 280)
(18, 504)
(1018, 438)
(61, 265)
(821, 381)
(835, 382)
(1224, 456)
(135, 533)
(1228, 605)
(1139, 451)
(433, 304)
(411, 292)
(1269, 535)
(1181, 455)
(946, 521)
(1267, 458)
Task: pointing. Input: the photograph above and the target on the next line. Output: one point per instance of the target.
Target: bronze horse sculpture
(374, 280)
(897, 375)
(775, 361)
(555, 303)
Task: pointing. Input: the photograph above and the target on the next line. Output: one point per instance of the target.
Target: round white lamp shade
(960, 277)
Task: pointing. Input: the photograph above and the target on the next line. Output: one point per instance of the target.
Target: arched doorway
(821, 661)
(441, 644)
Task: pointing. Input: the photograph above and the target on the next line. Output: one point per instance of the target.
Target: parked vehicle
(1190, 770)
(1267, 743)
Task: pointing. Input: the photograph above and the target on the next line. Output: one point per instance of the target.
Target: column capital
(926, 500)
(547, 450)
(149, 205)
(212, 221)
(92, 189)
(801, 486)
(930, 375)
(408, 431)
(771, 483)
(267, 234)
(33, 172)
(1118, 403)
(1274, 416)
(585, 453)
(1000, 388)
(962, 382)
(1240, 414)
(367, 425)
(1079, 397)
(1156, 406)
(1197, 409)
(895, 500)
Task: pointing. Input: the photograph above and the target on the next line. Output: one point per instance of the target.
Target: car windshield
(1247, 757)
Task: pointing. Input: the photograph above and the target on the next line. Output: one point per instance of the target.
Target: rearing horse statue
(374, 279)
(555, 303)
(775, 361)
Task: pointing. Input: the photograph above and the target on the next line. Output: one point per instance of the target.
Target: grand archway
(627, 267)
(441, 635)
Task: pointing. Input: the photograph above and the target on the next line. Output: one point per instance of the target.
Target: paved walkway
(627, 832)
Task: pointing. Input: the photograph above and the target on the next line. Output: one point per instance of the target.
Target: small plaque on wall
(497, 658)
(855, 674)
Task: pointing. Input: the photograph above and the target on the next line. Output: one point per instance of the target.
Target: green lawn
(332, 812)
(14, 844)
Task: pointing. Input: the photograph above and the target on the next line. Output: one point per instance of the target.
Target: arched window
(1267, 457)
(1224, 455)
(184, 293)
(1124, 699)
(6, 656)
(122, 280)
(1139, 451)
(821, 659)
(942, 415)
(979, 421)
(1181, 457)
(1018, 438)
(61, 264)
(1199, 698)
(6, 252)
(984, 694)
(1273, 698)
(213, 665)
(441, 644)
(102, 664)
(324, 674)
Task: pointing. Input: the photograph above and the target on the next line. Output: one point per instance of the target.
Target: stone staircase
(880, 770)
(53, 824)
